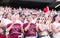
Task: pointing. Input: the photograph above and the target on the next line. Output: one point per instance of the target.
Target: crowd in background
(29, 23)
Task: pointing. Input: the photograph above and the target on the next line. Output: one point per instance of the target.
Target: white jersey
(56, 24)
(56, 35)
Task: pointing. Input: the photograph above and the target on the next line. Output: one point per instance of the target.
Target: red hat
(46, 9)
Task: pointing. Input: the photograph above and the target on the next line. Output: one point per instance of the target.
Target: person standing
(56, 27)
(15, 27)
(42, 28)
(29, 28)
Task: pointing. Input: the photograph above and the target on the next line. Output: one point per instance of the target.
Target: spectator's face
(29, 18)
(13, 18)
(23, 17)
(9, 15)
(41, 20)
(57, 18)
(17, 16)
(50, 19)
(34, 16)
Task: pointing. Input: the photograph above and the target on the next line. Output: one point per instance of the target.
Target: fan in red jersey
(14, 28)
(29, 28)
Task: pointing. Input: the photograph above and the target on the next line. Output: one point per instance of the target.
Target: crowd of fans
(29, 23)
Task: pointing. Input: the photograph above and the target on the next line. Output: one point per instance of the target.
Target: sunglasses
(41, 19)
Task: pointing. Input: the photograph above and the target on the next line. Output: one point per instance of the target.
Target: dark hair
(22, 15)
(54, 18)
(12, 13)
(38, 19)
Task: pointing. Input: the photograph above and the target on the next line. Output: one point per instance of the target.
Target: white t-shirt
(56, 24)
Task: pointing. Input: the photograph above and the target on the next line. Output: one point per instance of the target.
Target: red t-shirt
(15, 29)
(31, 31)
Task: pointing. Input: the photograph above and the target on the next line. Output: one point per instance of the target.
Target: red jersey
(15, 30)
(31, 31)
